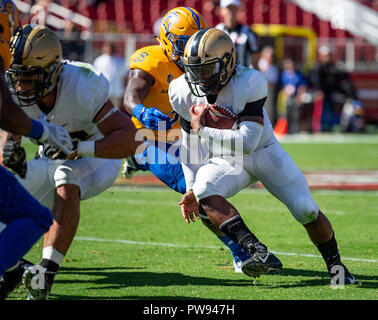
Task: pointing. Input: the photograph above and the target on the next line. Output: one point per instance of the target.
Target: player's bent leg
(162, 159)
(56, 242)
(226, 217)
(66, 213)
(215, 181)
(75, 180)
(239, 254)
(322, 235)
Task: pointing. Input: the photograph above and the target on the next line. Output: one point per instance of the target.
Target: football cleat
(348, 277)
(36, 283)
(129, 168)
(262, 261)
(12, 279)
(239, 258)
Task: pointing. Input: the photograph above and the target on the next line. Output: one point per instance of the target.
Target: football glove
(150, 117)
(80, 149)
(14, 158)
(56, 136)
(53, 152)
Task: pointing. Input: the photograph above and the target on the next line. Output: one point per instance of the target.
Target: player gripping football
(212, 76)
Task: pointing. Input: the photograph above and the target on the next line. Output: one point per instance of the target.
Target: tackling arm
(121, 138)
(138, 87)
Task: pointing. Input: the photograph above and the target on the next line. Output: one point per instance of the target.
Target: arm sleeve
(241, 141)
(190, 157)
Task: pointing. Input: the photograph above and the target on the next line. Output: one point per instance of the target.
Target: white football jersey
(246, 85)
(82, 92)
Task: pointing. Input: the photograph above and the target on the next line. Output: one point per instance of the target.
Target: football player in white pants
(75, 96)
(239, 156)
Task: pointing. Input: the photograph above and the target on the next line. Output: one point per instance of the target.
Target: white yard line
(174, 245)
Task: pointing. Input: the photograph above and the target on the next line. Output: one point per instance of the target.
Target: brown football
(217, 116)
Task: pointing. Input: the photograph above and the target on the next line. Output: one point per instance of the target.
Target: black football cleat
(12, 279)
(261, 262)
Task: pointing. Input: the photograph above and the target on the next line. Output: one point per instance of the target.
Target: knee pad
(305, 210)
(63, 173)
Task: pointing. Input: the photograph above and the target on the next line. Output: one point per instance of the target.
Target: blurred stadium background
(295, 28)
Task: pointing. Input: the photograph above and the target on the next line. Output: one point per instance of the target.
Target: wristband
(138, 110)
(36, 131)
(86, 148)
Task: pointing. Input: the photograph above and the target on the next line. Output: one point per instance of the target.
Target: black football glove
(56, 153)
(14, 158)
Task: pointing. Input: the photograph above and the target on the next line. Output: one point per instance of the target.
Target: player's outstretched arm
(121, 138)
(138, 87)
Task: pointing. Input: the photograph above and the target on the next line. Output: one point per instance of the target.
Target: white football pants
(91, 175)
(272, 166)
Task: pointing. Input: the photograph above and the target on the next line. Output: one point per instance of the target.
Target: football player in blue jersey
(23, 220)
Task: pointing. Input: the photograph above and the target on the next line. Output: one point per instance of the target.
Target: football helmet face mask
(176, 28)
(36, 63)
(209, 61)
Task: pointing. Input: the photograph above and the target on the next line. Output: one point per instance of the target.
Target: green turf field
(133, 244)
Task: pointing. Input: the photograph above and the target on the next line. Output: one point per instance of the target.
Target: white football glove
(55, 135)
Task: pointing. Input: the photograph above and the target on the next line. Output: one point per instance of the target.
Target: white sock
(51, 254)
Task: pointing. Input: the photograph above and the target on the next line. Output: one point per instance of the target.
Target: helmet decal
(195, 17)
(175, 30)
(168, 20)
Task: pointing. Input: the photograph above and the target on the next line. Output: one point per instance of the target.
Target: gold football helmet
(176, 27)
(8, 25)
(36, 63)
(209, 61)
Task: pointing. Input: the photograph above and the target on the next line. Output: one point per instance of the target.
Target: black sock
(329, 252)
(51, 267)
(237, 230)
